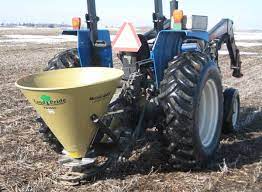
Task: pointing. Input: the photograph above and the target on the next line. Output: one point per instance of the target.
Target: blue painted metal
(86, 49)
(168, 45)
(105, 53)
(203, 35)
(187, 47)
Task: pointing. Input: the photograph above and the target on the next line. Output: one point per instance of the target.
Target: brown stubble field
(27, 164)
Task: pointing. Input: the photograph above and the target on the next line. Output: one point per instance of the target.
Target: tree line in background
(45, 25)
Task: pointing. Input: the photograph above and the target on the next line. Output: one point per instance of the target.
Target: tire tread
(185, 71)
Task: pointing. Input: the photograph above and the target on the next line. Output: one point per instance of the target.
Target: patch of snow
(9, 28)
(58, 48)
(248, 53)
(38, 39)
(13, 45)
(24, 28)
(240, 36)
(247, 44)
(224, 52)
(113, 28)
(112, 37)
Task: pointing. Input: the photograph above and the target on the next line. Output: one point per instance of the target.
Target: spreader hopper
(66, 99)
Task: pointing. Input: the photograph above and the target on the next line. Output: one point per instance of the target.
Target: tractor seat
(129, 59)
(144, 51)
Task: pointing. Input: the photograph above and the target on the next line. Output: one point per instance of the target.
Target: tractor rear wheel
(192, 99)
(65, 59)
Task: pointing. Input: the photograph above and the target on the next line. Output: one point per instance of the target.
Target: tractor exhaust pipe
(173, 6)
(92, 20)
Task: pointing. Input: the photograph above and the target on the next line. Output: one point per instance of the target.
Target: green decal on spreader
(45, 98)
(48, 101)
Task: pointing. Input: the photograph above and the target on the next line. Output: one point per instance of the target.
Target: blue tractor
(172, 83)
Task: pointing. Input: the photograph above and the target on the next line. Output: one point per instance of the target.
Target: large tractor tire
(63, 60)
(192, 99)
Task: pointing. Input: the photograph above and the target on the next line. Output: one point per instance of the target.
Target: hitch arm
(95, 119)
(223, 33)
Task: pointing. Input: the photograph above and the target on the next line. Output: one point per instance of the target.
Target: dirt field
(27, 164)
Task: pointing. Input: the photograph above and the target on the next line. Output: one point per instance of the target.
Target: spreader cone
(66, 99)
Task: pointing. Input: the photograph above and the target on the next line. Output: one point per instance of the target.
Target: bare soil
(27, 164)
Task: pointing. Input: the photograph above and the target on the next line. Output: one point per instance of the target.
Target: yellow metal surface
(66, 99)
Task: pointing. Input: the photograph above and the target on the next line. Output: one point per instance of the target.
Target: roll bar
(159, 19)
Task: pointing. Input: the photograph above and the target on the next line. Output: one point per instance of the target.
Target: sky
(246, 14)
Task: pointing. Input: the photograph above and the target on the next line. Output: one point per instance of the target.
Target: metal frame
(173, 6)
(158, 16)
(92, 20)
(220, 34)
(223, 33)
(159, 20)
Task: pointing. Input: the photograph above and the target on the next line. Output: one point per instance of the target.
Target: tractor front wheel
(231, 110)
(192, 99)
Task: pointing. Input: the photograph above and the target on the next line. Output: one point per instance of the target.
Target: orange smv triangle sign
(126, 39)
